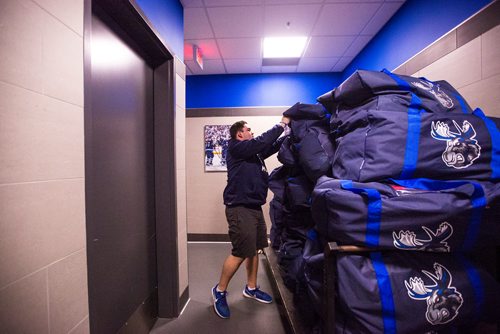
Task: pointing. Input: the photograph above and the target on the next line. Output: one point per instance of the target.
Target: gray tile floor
(247, 316)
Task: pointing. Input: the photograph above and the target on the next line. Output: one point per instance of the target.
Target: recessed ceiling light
(284, 47)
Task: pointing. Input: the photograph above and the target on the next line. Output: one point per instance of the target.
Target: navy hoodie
(247, 178)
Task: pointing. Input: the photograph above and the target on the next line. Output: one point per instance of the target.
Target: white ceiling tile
(342, 63)
(287, 2)
(243, 65)
(230, 32)
(188, 71)
(189, 64)
(379, 1)
(245, 21)
(322, 47)
(210, 66)
(278, 69)
(191, 3)
(385, 12)
(344, 18)
(358, 45)
(300, 17)
(208, 48)
(210, 3)
(196, 24)
(317, 64)
(235, 48)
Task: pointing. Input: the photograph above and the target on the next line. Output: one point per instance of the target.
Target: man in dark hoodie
(245, 193)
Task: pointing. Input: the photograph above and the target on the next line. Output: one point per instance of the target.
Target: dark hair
(238, 126)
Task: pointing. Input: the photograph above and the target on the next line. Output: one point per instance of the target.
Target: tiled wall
(205, 207)
(474, 70)
(43, 275)
(180, 165)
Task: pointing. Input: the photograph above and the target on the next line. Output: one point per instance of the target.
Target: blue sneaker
(257, 294)
(220, 303)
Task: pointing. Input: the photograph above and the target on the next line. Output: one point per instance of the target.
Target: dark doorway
(122, 249)
(130, 190)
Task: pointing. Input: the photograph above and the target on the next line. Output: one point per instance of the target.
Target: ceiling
(229, 33)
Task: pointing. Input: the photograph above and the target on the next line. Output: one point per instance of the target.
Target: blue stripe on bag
(478, 203)
(477, 286)
(413, 135)
(401, 83)
(374, 211)
(412, 138)
(495, 143)
(385, 291)
(462, 103)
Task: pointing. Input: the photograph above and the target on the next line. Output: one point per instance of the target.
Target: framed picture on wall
(216, 141)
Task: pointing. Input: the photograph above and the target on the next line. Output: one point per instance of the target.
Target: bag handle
(413, 132)
(374, 211)
(385, 293)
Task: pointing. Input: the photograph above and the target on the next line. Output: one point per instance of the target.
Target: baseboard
(144, 317)
(208, 237)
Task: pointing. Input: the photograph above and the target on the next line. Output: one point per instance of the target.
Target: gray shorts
(247, 230)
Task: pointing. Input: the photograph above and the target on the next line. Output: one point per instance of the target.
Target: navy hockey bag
(312, 270)
(415, 215)
(306, 116)
(372, 145)
(277, 181)
(287, 154)
(298, 192)
(361, 86)
(276, 213)
(305, 111)
(398, 292)
(316, 152)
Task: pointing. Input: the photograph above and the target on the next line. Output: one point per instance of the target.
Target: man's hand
(285, 121)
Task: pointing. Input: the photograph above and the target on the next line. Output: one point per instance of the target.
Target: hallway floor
(198, 317)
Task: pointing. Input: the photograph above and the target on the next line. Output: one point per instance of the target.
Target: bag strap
(385, 292)
(495, 143)
(460, 100)
(413, 135)
(477, 286)
(374, 211)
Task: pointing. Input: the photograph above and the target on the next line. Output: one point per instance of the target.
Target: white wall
(205, 207)
(474, 70)
(43, 275)
(180, 168)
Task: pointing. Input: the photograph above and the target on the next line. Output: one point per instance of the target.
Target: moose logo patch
(443, 300)
(461, 147)
(436, 241)
(436, 91)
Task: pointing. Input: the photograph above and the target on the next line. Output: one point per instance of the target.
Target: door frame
(143, 38)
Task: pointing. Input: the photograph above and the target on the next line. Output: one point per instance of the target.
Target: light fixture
(284, 47)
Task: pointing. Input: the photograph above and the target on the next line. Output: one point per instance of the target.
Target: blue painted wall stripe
(417, 24)
(245, 90)
(167, 17)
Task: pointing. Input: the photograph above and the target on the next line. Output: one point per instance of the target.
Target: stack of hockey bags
(414, 176)
(306, 155)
